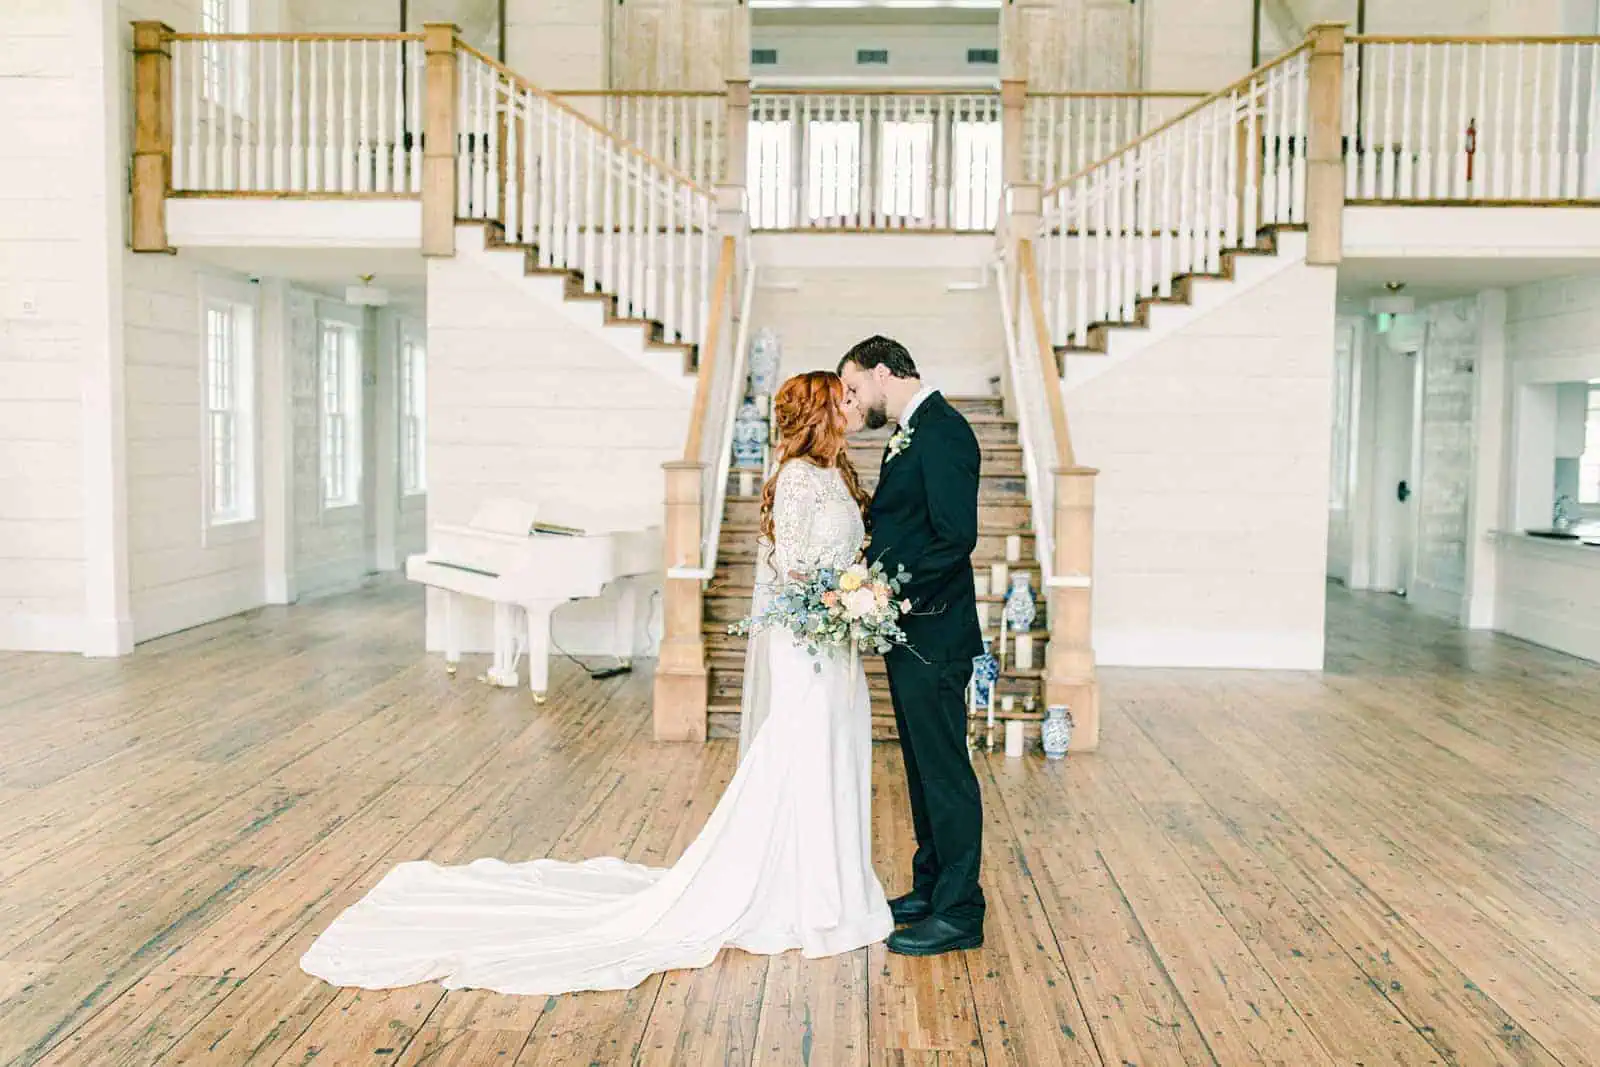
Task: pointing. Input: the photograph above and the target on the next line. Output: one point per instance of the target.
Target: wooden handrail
(1369, 38)
(876, 90)
(710, 354)
(294, 37)
(662, 93)
(1220, 94)
(624, 146)
(1131, 94)
(1049, 372)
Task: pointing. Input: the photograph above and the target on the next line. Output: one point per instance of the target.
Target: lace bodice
(816, 523)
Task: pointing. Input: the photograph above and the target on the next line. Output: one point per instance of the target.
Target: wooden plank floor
(1395, 862)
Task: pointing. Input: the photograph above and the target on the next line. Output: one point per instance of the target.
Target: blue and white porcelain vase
(765, 355)
(1056, 731)
(1020, 611)
(749, 435)
(985, 672)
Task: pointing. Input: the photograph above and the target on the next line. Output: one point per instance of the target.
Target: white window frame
(220, 81)
(413, 411)
(228, 317)
(339, 407)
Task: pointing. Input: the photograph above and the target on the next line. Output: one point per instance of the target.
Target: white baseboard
(1209, 649)
(158, 612)
(41, 633)
(107, 638)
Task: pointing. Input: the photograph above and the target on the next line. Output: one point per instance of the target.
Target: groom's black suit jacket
(925, 516)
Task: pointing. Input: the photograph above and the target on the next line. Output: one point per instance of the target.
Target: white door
(1393, 483)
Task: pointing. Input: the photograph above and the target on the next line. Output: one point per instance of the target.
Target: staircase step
(998, 509)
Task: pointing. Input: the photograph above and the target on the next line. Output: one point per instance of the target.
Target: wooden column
(1325, 170)
(738, 135)
(1013, 111)
(439, 141)
(1069, 670)
(152, 135)
(681, 684)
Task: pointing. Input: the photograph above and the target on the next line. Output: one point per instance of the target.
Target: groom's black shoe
(911, 908)
(933, 936)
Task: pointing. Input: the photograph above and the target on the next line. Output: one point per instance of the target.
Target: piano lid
(503, 515)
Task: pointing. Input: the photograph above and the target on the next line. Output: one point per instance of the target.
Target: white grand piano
(499, 557)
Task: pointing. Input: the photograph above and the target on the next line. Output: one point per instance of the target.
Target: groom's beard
(877, 416)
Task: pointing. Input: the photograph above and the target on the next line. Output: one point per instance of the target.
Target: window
(413, 414)
(217, 73)
(975, 203)
(872, 57)
(229, 406)
(339, 378)
(833, 169)
(763, 57)
(771, 170)
(1589, 465)
(983, 56)
(904, 168)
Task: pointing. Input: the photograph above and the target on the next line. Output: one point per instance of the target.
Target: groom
(925, 516)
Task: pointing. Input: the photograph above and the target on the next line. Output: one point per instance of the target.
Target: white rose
(860, 603)
(905, 607)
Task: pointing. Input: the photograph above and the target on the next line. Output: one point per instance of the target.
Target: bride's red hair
(809, 414)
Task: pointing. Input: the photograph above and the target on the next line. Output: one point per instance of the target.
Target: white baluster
(1230, 178)
(416, 63)
(1370, 139)
(1517, 189)
(547, 185)
(212, 78)
(1424, 142)
(1351, 111)
(330, 112)
(1571, 156)
(607, 266)
(574, 202)
(1554, 157)
(1079, 193)
(1251, 223)
(591, 210)
(672, 283)
(227, 89)
(513, 193)
(262, 53)
(363, 144)
(1458, 166)
(1535, 152)
(1500, 142)
(383, 168)
(1591, 165)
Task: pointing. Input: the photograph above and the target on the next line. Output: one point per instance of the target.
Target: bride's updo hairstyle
(809, 414)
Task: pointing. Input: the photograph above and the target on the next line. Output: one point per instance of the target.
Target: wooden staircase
(1003, 509)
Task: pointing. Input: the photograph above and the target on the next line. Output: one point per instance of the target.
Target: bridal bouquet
(857, 608)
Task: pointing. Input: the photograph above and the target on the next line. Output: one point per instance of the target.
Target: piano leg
(626, 618)
(452, 634)
(538, 618)
(504, 671)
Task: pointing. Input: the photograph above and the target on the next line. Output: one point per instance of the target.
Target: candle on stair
(747, 483)
(1008, 704)
(997, 579)
(983, 618)
(763, 404)
(980, 583)
(1013, 548)
(1014, 739)
(1024, 657)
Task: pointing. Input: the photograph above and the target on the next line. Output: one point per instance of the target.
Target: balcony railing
(1472, 119)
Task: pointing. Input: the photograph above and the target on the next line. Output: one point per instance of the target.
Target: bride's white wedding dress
(784, 862)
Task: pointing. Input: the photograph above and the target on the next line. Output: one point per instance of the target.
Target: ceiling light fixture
(366, 294)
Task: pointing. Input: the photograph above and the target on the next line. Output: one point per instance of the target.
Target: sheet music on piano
(526, 566)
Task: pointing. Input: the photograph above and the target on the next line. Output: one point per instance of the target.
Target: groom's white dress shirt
(914, 403)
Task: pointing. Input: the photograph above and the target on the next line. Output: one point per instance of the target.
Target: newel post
(439, 140)
(681, 684)
(1324, 153)
(1069, 671)
(1013, 108)
(738, 138)
(152, 135)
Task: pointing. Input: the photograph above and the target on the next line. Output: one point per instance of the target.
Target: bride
(784, 862)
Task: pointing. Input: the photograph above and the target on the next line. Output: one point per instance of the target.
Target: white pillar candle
(980, 584)
(1013, 548)
(983, 617)
(1014, 739)
(1008, 704)
(763, 404)
(1024, 658)
(997, 579)
(747, 483)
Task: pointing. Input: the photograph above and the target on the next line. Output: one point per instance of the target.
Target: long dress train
(784, 862)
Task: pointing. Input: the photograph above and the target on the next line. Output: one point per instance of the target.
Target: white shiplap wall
(956, 336)
(529, 397)
(1546, 593)
(1211, 519)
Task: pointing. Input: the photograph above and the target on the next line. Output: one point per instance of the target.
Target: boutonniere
(900, 441)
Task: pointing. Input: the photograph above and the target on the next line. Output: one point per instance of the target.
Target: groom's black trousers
(930, 712)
